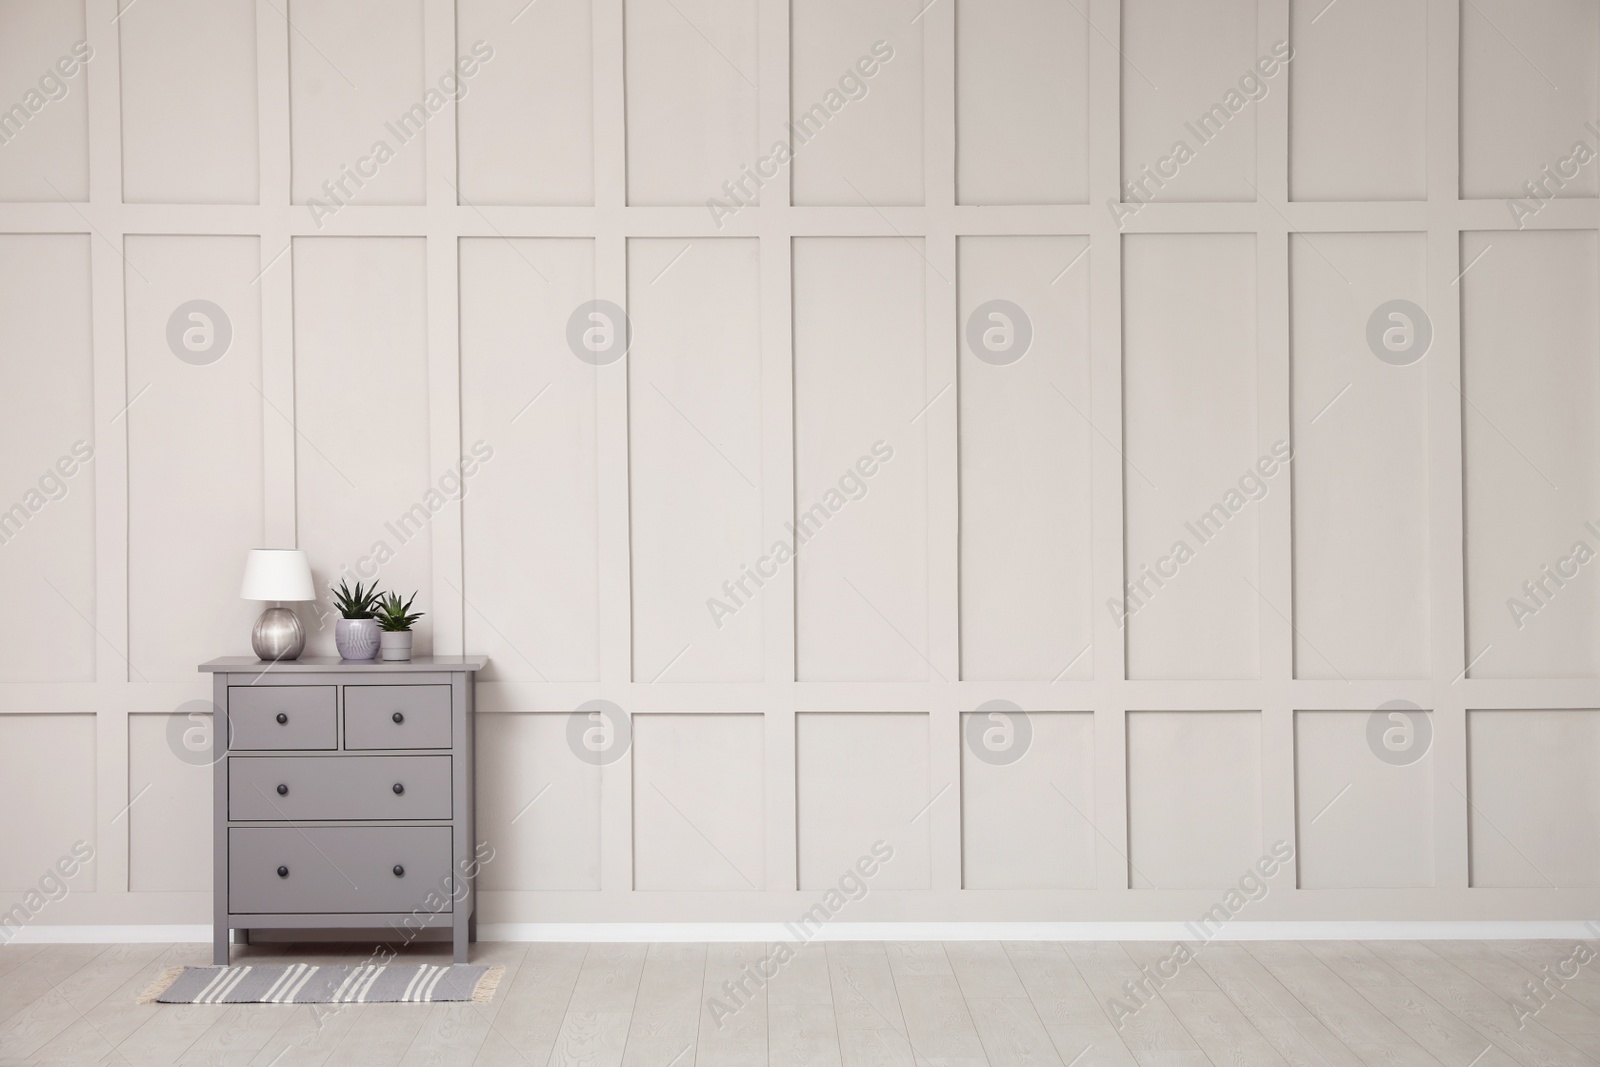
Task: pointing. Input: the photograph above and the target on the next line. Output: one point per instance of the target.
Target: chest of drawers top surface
(334, 665)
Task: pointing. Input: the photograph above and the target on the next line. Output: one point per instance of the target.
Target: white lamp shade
(277, 574)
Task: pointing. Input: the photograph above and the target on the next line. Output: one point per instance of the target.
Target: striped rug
(303, 983)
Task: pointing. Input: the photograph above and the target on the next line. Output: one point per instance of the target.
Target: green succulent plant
(361, 604)
(395, 615)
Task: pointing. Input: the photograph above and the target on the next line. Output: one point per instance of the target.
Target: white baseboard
(1489, 930)
(1046, 931)
(134, 934)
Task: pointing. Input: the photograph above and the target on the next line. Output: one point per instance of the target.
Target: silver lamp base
(277, 635)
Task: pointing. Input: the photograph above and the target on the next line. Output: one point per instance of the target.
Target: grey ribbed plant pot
(356, 639)
(394, 646)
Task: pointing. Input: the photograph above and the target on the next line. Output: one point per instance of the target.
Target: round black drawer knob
(399, 871)
(283, 872)
(398, 789)
(398, 717)
(282, 718)
(283, 790)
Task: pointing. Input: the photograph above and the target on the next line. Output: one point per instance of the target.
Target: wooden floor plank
(1219, 1028)
(1355, 963)
(864, 995)
(1053, 983)
(1090, 1044)
(936, 1020)
(1552, 1006)
(983, 969)
(1011, 1032)
(875, 1048)
(1433, 1027)
(450, 1034)
(41, 974)
(1395, 1056)
(1173, 1058)
(1250, 986)
(1303, 1041)
(802, 1035)
(1333, 1001)
(917, 957)
(1095, 953)
(13, 954)
(732, 1030)
(70, 1000)
(531, 1006)
(105, 1025)
(803, 979)
(609, 978)
(167, 1034)
(1135, 1008)
(1531, 1045)
(242, 1028)
(591, 1039)
(666, 1013)
(1440, 977)
(1163, 959)
(308, 1036)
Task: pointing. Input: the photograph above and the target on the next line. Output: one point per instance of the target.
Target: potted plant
(356, 632)
(395, 619)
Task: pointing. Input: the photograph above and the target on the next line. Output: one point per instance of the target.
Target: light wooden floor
(958, 1004)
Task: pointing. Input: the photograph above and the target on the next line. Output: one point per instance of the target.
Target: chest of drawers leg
(343, 797)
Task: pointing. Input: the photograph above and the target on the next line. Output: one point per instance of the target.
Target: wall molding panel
(986, 556)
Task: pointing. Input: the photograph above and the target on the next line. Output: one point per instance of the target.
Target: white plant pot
(395, 646)
(356, 639)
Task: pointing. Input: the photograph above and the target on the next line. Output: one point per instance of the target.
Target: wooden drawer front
(310, 716)
(337, 869)
(338, 788)
(369, 712)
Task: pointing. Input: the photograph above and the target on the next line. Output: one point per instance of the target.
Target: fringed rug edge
(162, 983)
(483, 992)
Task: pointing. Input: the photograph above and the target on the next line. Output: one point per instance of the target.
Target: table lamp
(277, 574)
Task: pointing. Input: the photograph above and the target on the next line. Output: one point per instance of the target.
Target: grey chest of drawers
(343, 796)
